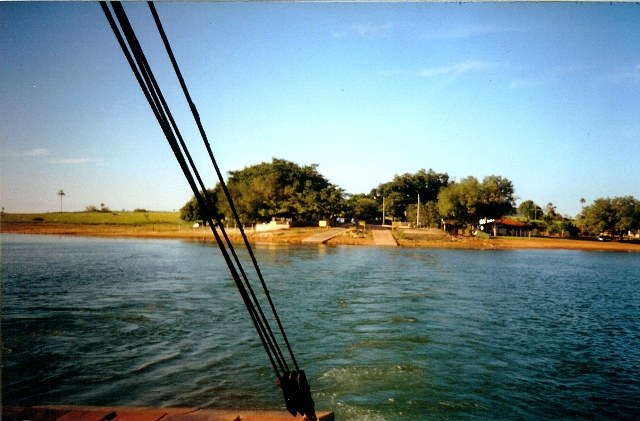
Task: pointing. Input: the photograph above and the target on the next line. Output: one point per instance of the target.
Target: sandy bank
(413, 238)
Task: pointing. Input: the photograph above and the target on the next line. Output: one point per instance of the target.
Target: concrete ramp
(324, 236)
(382, 237)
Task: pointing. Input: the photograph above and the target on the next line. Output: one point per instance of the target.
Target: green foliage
(554, 229)
(363, 208)
(276, 189)
(550, 212)
(564, 228)
(469, 200)
(568, 228)
(191, 211)
(497, 197)
(429, 215)
(93, 208)
(540, 226)
(483, 235)
(404, 189)
(616, 216)
(460, 200)
(529, 209)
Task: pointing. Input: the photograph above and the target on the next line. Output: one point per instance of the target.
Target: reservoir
(382, 333)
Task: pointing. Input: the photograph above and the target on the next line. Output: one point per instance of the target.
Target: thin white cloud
(368, 30)
(456, 70)
(36, 152)
(365, 30)
(73, 161)
(464, 31)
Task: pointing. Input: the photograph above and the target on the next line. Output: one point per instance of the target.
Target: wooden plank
(217, 415)
(151, 415)
(32, 413)
(82, 415)
(119, 413)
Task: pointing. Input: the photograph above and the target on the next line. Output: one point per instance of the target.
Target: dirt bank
(404, 238)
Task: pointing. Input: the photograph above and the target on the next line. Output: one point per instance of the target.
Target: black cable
(196, 116)
(159, 99)
(143, 75)
(159, 104)
(294, 385)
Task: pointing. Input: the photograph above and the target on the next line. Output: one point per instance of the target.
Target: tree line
(283, 189)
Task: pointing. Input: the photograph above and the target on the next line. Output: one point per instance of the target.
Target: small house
(508, 226)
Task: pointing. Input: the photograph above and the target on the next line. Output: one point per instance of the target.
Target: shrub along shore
(167, 225)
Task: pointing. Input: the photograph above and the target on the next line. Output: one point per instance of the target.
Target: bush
(554, 229)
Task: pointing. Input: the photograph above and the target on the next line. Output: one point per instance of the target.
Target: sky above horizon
(544, 94)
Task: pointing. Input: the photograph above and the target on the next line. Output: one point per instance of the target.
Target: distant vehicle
(603, 238)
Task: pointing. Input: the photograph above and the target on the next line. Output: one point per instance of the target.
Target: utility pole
(418, 213)
(61, 193)
(383, 210)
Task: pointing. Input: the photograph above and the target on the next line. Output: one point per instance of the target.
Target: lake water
(383, 333)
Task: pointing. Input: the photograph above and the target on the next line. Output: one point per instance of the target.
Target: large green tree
(404, 190)
(469, 200)
(362, 207)
(278, 188)
(191, 211)
(616, 216)
(425, 215)
(497, 197)
(529, 209)
(460, 200)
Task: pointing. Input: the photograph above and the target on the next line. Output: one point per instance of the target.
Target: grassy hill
(93, 218)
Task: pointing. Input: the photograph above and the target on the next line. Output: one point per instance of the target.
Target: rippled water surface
(383, 334)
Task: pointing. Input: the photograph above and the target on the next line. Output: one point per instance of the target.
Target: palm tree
(582, 203)
(61, 193)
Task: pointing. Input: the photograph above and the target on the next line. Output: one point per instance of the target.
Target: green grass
(483, 235)
(94, 218)
(401, 235)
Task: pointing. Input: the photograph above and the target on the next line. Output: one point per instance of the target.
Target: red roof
(508, 222)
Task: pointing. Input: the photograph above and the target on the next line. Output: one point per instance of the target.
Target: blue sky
(544, 94)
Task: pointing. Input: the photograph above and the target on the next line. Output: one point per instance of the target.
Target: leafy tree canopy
(425, 215)
(616, 216)
(191, 211)
(275, 189)
(469, 200)
(404, 189)
(363, 207)
(529, 209)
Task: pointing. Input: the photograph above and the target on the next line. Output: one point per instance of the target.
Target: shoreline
(405, 238)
